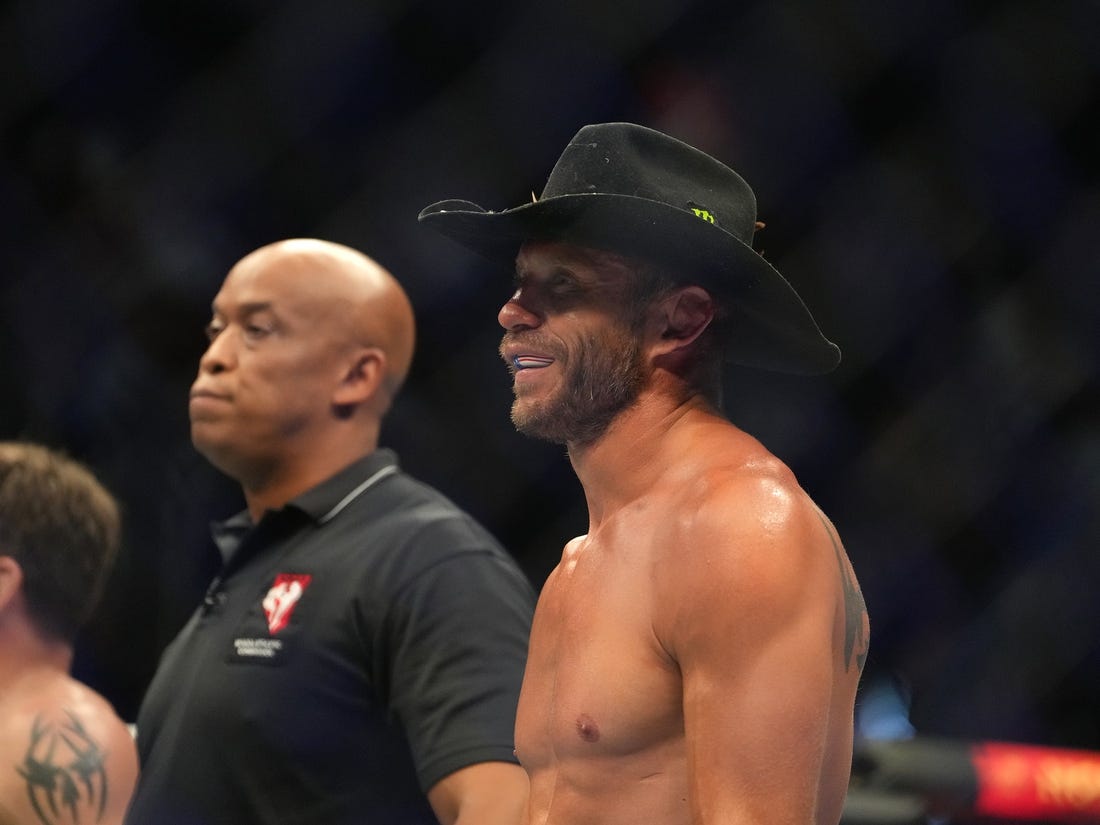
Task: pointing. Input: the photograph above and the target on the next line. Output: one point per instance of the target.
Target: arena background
(927, 172)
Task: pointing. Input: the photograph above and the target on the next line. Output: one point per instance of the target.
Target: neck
(24, 651)
(271, 485)
(275, 491)
(637, 449)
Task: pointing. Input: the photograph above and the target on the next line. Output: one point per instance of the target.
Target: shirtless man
(695, 656)
(65, 756)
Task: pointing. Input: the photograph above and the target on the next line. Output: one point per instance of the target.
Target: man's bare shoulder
(63, 747)
(732, 492)
(743, 534)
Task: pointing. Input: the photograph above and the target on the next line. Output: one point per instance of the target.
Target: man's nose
(219, 355)
(515, 315)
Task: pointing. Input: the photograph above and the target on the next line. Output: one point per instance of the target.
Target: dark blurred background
(927, 172)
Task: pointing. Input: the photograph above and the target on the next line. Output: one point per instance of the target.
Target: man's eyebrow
(247, 308)
(524, 274)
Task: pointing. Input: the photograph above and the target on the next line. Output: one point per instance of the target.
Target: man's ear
(362, 379)
(11, 581)
(681, 318)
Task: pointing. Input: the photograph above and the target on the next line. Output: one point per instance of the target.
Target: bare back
(65, 757)
(696, 658)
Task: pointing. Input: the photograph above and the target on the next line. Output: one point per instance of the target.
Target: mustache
(532, 340)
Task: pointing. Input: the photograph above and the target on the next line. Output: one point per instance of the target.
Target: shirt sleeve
(458, 633)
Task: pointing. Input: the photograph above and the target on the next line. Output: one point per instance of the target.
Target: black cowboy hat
(636, 191)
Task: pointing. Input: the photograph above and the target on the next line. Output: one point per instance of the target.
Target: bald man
(359, 657)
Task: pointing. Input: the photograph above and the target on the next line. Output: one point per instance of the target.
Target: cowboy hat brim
(769, 325)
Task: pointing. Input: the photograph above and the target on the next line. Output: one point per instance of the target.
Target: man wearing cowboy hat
(694, 656)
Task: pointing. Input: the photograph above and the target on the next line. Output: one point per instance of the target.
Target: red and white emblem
(281, 598)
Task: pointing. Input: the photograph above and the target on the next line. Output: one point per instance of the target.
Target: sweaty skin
(695, 656)
(689, 648)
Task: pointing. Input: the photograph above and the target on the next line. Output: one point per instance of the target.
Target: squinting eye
(562, 290)
(212, 329)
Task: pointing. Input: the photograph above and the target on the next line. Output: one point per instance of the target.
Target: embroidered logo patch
(280, 600)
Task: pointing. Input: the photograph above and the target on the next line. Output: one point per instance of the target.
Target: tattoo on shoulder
(65, 772)
(856, 641)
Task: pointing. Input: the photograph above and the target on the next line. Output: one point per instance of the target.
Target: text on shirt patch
(280, 600)
(257, 648)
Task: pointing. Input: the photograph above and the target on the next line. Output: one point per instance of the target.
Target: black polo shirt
(360, 644)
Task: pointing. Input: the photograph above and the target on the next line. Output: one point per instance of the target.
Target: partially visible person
(65, 756)
(695, 655)
(359, 657)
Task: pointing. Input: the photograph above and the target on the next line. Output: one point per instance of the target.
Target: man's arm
(760, 640)
(460, 638)
(490, 793)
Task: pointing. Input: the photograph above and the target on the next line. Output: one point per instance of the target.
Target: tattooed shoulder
(856, 622)
(63, 769)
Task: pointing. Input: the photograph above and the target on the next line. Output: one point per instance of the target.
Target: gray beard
(603, 379)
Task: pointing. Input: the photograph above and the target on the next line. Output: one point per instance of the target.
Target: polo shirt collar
(325, 501)
(321, 503)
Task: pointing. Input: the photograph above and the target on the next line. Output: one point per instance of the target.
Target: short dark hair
(62, 526)
(654, 280)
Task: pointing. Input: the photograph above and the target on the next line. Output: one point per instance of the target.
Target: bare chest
(598, 680)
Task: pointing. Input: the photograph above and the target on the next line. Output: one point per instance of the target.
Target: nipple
(587, 728)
